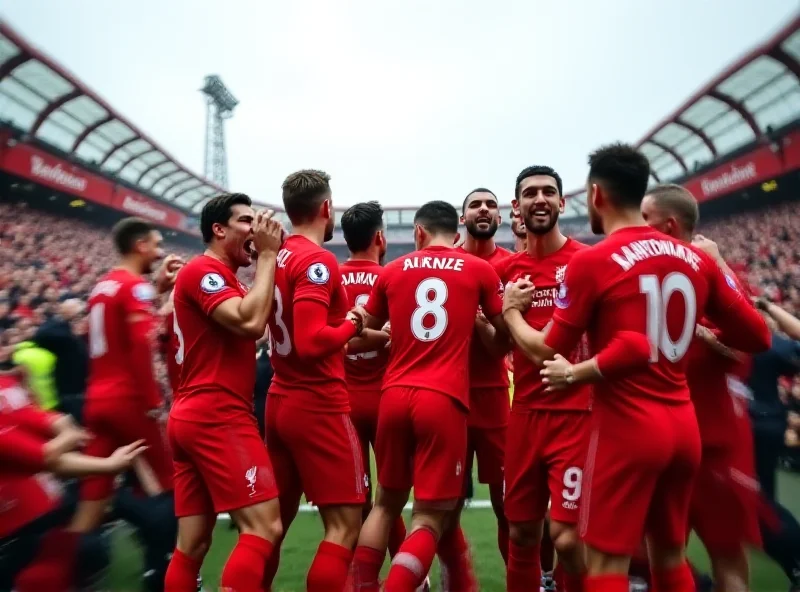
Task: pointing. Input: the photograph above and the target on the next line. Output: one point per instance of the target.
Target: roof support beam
(12, 64)
(116, 147)
(52, 106)
(166, 174)
(655, 176)
(784, 58)
(201, 198)
(132, 158)
(197, 183)
(669, 151)
(158, 163)
(738, 107)
(88, 130)
(175, 183)
(699, 133)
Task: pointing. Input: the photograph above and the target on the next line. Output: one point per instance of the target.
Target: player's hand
(267, 233)
(794, 420)
(75, 437)
(557, 373)
(518, 295)
(707, 246)
(761, 303)
(168, 272)
(792, 438)
(357, 320)
(123, 457)
(361, 312)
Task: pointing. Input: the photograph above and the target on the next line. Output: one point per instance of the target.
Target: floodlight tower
(220, 103)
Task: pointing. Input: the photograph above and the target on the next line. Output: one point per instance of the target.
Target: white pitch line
(477, 505)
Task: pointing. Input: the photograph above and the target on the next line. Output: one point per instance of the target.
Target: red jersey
(641, 280)
(169, 351)
(486, 370)
(363, 371)
(121, 319)
(547, 274)
(26, 490)
(218, 367)
(306, 271)
(430, 298)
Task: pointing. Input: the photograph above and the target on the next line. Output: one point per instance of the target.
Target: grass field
(479, 524)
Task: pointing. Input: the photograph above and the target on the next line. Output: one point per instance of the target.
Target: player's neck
(479, 247)
(220, 255)
(312, 232)
(619, 219)
(438, 241)
(369, 255)
(131, 264)
(542, 245)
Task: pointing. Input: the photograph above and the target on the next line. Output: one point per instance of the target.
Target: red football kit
(122, 387)
(169, 349)
(547, 431)
(363, 371)
(312, 442)
(430, 297)
(644, 449)
(219, 458)
(489, 404)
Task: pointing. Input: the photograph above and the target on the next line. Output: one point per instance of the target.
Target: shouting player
(547, 431)
(311, 439)
(219, 459)
(123, 399)
(726, 484)
(430, 298)
(644, 450)
(488, 379)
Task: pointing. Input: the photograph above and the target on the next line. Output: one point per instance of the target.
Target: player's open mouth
(483, 220)
(248, 247)
(541, 214)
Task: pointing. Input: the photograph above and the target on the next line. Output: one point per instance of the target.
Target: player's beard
(328, 230)
(480, 234)
(595, 221)
(540, 228)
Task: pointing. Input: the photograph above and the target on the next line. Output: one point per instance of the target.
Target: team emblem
(318, 273)
(731, 282)
(561, 272)
(562, 299)
(144, 292)
(212, 283)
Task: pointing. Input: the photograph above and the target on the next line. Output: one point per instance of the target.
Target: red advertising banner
(136, 204)
(39, 166)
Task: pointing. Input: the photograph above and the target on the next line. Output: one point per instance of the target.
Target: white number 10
(658, 297)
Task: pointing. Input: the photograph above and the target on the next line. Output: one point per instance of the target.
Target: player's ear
(561, 203)
(596, 195)
(461, 219)
(218, 230)
(326, 209)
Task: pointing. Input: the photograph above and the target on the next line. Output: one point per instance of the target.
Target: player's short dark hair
(437, 217)
(623, 171)
(218, 210)
(535, 170)
(128, 231)
(478, 190)
(303, 194)
(677, 201)
(360, 223)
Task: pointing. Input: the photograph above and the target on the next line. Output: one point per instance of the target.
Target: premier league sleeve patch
(731, 283)
(212, 283)
(318, 273)
(144, 292)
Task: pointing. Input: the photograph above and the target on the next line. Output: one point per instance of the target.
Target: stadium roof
(43, 99)
(758, 93)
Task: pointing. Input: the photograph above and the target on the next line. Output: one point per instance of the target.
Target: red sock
(678, 579)
(412, 563)
(502, 539)
(606, 583)
(524, 568)
(271, 567)
(547, 552)
(454, 557)
(367, 563)
(328, 571)
(396, 536)
(244, 570)
(181, 573)
(572, 582)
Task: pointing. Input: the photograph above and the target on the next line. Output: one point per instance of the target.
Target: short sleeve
(574, 303)
(20, 451)
(317, 278)
(209, 288)
(377, 304)
(491, 292)
(140, 297)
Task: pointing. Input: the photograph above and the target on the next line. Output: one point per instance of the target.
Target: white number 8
(430, 306)
(658, 297)
(573, 477)
(283, 347)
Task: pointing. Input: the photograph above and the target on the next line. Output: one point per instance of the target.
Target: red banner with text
(135, 204)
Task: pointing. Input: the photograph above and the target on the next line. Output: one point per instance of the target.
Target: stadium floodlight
(220, 103)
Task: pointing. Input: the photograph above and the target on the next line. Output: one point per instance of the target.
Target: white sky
(399, 101)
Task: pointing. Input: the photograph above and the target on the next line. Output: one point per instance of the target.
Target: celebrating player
(547, 431)
(726, 484)
(123, 398)
(310, 436)
(488, 378)
(220, 462)
(644, 450)
(430, 298)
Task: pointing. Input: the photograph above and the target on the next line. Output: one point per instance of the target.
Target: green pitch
(479, 524)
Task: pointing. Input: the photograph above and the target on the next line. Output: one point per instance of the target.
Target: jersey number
(430, 307)
(179, 335)
(98, 345)
(658, 297)
(284, 346)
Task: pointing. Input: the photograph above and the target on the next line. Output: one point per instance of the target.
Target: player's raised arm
(247, 316)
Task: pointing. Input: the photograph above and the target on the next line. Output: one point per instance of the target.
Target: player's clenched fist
(267, 233)
(167, 272)
(518, 295)
(706, 245)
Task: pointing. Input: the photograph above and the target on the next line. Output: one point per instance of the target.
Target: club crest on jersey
(562, 298)
(318, 273)
(212, 283)
(144, 292)
(561, 273)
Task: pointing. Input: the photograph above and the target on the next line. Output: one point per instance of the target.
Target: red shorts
(364, 415)
(724, 507)
(486, 433)
(219, 468)
(422, 443)
(315, 453)
(639, 476)
(115, 423)
(546, 452)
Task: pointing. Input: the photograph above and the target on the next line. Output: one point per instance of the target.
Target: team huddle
(621, 438)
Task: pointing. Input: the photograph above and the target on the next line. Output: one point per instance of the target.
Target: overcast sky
(399, 101)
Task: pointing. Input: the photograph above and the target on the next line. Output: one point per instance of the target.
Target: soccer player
(123, 399)
(644, 450)
(724, 487)
(219, 459)
(362, 226)
(430, 298)
(311, 439)
(488, 378)
(547, 432)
